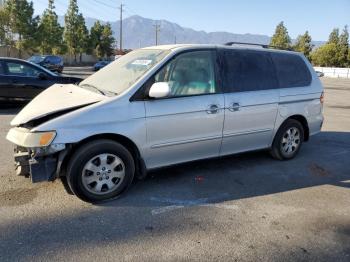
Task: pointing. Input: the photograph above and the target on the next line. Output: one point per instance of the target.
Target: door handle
(234, 107)
(213, 109)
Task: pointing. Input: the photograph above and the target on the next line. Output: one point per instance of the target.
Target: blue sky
(245, 16)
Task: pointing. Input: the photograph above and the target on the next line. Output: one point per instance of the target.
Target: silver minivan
(165, 105)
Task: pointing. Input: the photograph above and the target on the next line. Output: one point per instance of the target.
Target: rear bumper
(316, 124)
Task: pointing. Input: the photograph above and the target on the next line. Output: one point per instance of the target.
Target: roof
(179, 47)
(12, 58)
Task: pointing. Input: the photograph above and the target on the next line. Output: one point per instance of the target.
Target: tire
(288, 140)
(66, 186)
(100, 170)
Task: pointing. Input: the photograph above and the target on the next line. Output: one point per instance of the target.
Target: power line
(102, 3)
(131, 11)
(91, 7)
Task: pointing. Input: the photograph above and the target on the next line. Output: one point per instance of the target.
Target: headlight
(22, 137)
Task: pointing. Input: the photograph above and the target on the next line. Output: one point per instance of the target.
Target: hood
(55, 99)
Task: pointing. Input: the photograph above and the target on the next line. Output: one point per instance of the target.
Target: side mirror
(159, 90)
(42, 76)
(320, 74)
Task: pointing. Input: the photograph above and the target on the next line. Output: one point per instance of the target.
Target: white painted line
(166, 209)
(223, 206)
(178, 204)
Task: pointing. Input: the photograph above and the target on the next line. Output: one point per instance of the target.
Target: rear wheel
(100, 170)
(288, 140)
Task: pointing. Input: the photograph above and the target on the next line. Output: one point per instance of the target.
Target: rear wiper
(93, 87)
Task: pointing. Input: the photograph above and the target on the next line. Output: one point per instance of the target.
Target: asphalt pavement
(246, 207)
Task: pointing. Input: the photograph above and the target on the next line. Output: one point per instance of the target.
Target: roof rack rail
(262, 45)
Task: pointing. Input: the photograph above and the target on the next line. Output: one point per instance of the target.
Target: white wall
(334, 72)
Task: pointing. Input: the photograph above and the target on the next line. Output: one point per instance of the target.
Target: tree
(303, 45)
(325, 55)
(50, 32)
(73, 26)
(22, 24)
(334, 36)
(107, 40)
(343, 48)
(334, 39)
(281, 39)
(96, 36)
(83, 37)
(102, 39)
(4, 28)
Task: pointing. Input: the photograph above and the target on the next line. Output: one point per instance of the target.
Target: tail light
(322, 98)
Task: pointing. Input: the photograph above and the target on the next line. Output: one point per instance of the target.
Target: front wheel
(288, 140)
(100, 170)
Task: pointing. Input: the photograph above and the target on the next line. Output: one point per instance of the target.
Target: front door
(188, 124)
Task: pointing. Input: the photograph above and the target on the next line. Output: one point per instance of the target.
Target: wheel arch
(303, 121)
(123, 140)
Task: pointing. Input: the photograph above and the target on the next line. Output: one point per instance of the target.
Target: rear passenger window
(291, 70)
(2, 71)
(247, 70)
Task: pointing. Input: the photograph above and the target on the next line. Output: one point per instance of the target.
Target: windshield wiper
(110, 93)
(94, 88)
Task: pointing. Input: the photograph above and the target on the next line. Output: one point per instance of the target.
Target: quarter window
(291, 70)
(189, 74)
(247, 70)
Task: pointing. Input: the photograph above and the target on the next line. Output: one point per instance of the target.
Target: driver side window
(189, 74)
(19, 69)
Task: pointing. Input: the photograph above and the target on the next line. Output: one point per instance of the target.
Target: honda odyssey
(165, 105)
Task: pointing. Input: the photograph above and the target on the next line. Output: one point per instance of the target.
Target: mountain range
(140, 32)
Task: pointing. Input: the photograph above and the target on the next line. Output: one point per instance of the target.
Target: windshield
(36, 59)
(118, 76)
(43, 69)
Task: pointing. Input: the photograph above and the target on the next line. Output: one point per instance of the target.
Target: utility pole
(157, 28)
(121, 27)
(175, 40)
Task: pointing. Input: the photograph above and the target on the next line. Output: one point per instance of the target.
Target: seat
(200, 83)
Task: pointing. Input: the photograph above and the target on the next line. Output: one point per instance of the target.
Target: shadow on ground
(323, 161)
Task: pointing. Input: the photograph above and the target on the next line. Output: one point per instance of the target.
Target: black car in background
(22, 81)
(50, 62)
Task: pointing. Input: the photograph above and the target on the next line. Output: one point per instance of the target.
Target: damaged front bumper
(36, 156)
(41, 165)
